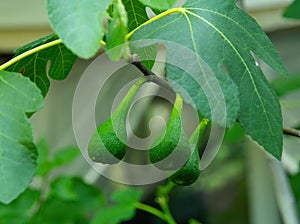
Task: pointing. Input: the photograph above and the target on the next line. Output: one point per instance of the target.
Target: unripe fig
(172, 142)
(190, 172)
(108, 144)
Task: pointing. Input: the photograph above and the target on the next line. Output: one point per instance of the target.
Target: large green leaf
(18, 95)
(224, 37)
(79, 23)
(293, 11)
(34, 66)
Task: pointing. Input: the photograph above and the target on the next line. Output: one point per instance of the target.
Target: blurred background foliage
(237, 187)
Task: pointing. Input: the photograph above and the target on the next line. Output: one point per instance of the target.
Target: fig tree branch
(291, 132)
(150, 76)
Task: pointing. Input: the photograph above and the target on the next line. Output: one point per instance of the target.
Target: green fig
(170, 149)
(190, 171)
(108, 144)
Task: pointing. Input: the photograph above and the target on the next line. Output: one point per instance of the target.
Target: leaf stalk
(29, 52)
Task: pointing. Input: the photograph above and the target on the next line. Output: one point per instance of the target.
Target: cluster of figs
(171, 150)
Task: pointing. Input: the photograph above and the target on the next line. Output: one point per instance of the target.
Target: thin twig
(159, 81)
(150, 76)
(136, 61)
(291, 132)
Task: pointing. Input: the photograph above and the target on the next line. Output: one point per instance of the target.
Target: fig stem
(128, 98)
(162, 199)
(199, 131)
(151, 210)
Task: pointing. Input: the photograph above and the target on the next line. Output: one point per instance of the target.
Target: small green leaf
(114, 214)
(34, 66)
(79, 24)
(18, 212)
(64, 156)
(43, 165)
(63, 188)
(116, 43)
(60, 205)
(18, 96)
(46, 163)
(123, 210)
(293, 11)
(127, 196)
(158, 4)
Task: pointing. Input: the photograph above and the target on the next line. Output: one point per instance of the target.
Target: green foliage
(47, 162)
(117, 30)
(158, 4)
(70, 201)
(123, 208)
(192, 221)
(108, 144)
(18, 96)
(34, 66)
(293, 11)
(172, 141)
(67, 199)
(224, 26)
(222, 39)
(79, 24)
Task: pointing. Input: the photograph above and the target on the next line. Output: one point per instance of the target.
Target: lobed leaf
(34, 66)
(224, 37)
(18, 211)
(18, 96)
(79, 24)
(123, 209)
(70, 201)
